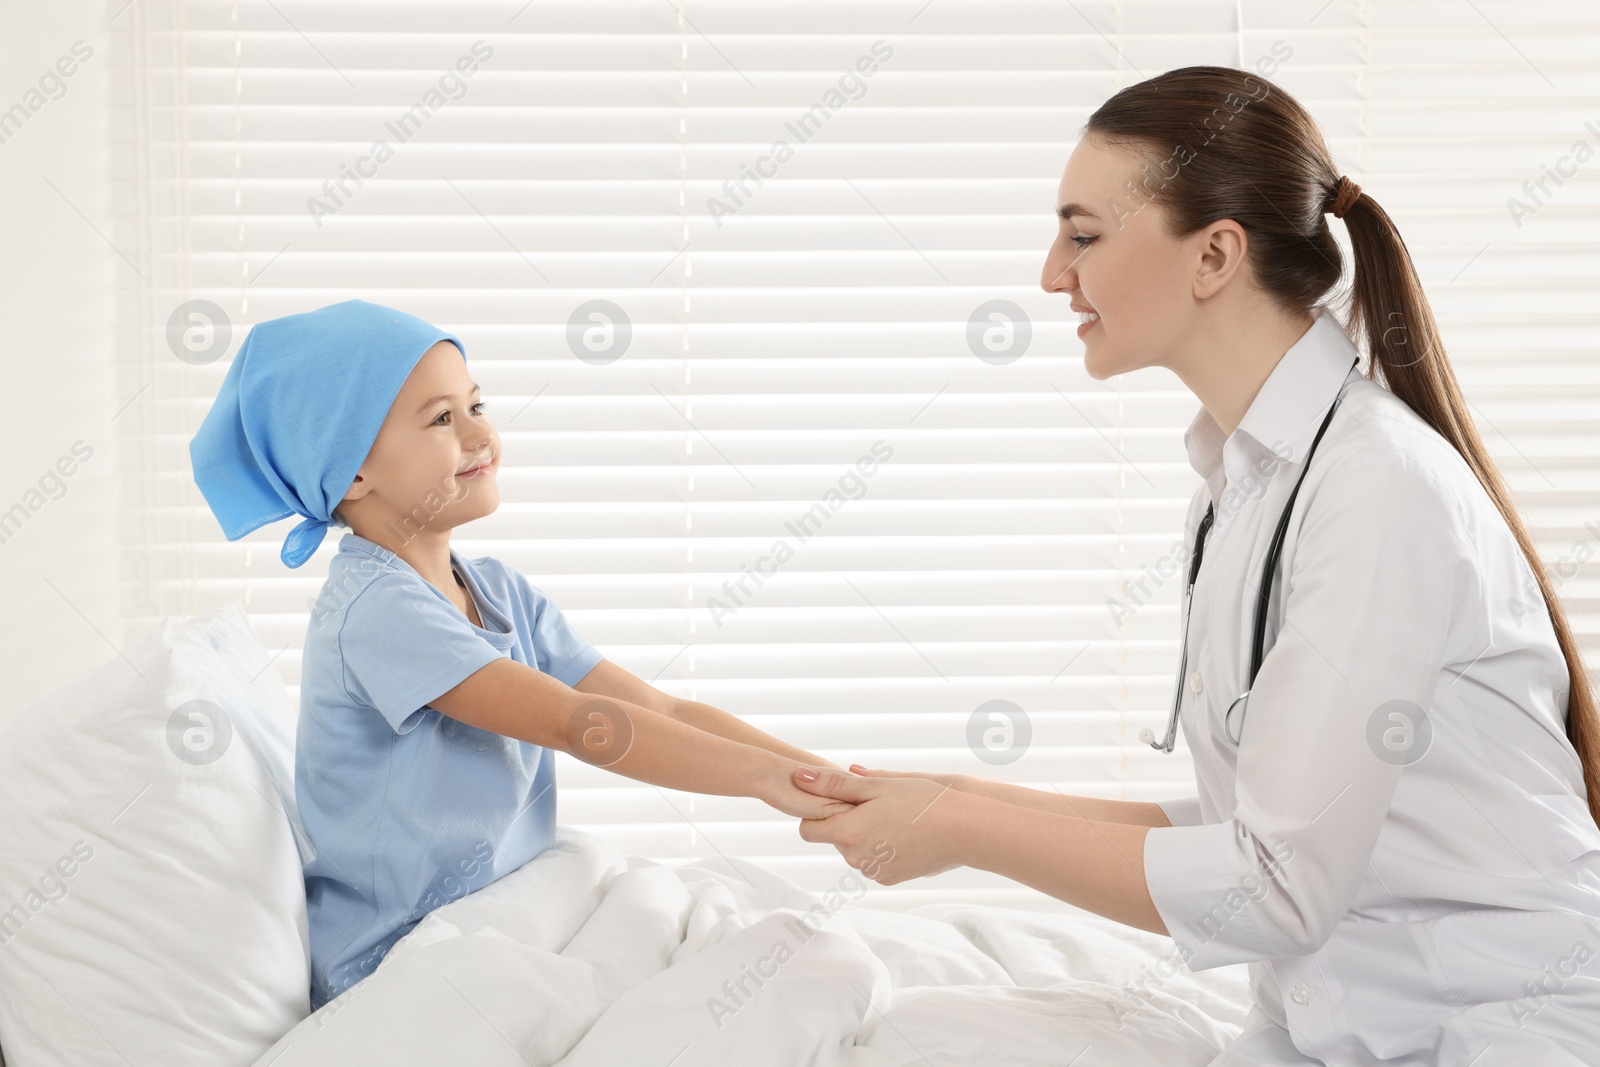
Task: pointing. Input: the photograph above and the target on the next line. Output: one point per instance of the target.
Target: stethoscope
(1233, 722)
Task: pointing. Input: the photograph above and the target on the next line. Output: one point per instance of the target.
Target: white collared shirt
(1399, 841)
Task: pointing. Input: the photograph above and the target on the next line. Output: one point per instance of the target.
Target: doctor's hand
(896, 829)
(778, 789)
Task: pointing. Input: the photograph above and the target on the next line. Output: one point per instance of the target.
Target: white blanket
(584, 957)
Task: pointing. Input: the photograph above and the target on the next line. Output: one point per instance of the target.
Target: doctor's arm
(609, 680)
(1380, 572)
(908, 827)
(1132, 812)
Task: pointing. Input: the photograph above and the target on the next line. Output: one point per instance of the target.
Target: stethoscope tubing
(1263, 600)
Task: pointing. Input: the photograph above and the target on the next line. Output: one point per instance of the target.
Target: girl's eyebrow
(1066, 211)
(442, 396)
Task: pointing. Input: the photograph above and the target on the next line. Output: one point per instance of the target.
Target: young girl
(434, 688)
(1395, 831)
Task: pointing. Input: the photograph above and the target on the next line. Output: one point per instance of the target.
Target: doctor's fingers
(837, 830)
(836, 784)
(817, 831)
(827, 809)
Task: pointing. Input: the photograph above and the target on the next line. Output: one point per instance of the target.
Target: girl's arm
(608, 679)
(1131, 812)
(513, 699)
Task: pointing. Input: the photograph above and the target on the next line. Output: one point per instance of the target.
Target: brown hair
(1219, 143)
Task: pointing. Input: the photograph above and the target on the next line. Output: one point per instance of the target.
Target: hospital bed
(154, 912)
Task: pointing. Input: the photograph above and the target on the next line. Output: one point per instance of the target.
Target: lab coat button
(1301, 993)
(1194, 681)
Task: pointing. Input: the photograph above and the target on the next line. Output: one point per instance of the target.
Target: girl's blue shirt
(407, 808)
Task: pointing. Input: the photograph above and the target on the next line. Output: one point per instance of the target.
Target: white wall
(58, 569)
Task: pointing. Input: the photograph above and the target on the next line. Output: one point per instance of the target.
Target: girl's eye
(1082, 241)
(477, 409)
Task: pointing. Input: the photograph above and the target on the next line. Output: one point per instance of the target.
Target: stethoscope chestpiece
(1233, 721)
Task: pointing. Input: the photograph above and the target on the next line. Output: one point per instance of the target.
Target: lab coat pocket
(1497, 954)
(1566, 817)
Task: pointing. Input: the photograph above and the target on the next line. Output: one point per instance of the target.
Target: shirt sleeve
(563, 654)
(1381, 568)
(402, 646)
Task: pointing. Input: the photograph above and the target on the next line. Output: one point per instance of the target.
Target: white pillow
(152, 907)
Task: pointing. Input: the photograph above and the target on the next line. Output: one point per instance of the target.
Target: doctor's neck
(1230, 353)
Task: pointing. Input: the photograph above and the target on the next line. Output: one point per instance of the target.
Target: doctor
(1394, 830)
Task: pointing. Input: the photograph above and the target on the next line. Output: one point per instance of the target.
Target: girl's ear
(358, 489)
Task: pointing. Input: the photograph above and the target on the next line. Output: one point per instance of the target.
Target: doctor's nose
(1060, 274)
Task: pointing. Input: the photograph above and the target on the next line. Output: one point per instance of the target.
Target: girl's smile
(481, 470)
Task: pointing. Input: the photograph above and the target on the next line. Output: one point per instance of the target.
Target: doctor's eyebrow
(1066, 211)
(442, 396)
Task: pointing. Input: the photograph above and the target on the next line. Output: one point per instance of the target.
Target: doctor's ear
(1221, 248)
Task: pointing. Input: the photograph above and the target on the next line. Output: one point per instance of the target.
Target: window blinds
(752, 293)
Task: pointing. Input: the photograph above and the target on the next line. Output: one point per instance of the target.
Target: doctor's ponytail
(1220, 143)
(1390, 311)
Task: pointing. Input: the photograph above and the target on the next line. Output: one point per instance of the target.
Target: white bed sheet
(585, 957)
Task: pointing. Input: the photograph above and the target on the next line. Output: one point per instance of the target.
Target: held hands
(892, 826)
(780, 791)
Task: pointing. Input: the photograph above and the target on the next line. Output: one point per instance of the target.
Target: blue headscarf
(298, 412)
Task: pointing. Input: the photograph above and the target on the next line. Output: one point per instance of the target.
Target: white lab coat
(1420, 889)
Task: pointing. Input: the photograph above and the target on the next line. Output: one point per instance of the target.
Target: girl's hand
(897, 827)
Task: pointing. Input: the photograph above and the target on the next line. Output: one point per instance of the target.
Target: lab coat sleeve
(1184, 811)
(1381, 570)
